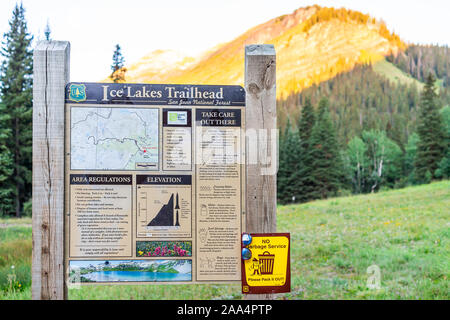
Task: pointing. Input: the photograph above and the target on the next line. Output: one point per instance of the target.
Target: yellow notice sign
(266, 268)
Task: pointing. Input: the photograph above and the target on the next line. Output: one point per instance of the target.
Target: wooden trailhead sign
(154, 183)
(147, 183)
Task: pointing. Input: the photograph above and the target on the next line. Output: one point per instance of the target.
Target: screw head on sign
(246, 253)
(246, 239)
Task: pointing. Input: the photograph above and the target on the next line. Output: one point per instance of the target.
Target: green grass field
(394, 74)
(404, 232)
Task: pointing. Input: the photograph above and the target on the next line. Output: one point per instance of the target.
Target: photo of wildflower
(164, 249)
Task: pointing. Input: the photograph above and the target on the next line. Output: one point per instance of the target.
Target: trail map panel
(114, 138)
(155, 183)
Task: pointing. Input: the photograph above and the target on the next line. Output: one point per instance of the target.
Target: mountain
(165, 215)
(158, 64)
(313, 44)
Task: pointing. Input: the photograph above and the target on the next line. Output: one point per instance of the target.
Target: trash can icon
(266, 261)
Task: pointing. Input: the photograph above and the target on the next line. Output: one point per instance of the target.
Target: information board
(155, 183)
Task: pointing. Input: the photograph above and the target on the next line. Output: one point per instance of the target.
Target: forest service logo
(77, 92)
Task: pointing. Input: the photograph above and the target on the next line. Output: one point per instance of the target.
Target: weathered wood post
(261, 124)
(51, 73)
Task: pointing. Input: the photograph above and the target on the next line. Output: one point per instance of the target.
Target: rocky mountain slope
(313, 44)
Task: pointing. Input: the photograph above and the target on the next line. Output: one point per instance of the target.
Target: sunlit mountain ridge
(313, 44)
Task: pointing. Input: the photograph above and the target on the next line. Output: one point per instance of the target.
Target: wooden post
(261, 118)
(51, 73)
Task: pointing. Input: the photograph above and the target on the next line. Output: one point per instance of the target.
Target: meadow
(405, 232)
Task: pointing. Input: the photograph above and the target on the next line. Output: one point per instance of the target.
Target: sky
(76, 263)
(84, 264)
(94, 27)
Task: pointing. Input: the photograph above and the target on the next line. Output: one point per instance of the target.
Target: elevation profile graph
(164, 206)
(168, 215)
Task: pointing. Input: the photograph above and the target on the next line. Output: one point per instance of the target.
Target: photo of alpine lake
(130, 271)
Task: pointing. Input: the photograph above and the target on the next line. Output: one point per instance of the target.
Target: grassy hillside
(394, 74)
(405, 232)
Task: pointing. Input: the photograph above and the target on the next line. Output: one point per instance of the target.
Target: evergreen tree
(283, 166)
(431, 144)
(289, 164)
(47, 31)
(303, 177)
(306, 122)
(16, 94)
(410, 155)
(6, 165)
(326, 169)
(117, 67)
(443, 170)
